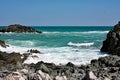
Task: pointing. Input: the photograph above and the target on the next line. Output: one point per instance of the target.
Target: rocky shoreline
(12, 65)
(104, 68)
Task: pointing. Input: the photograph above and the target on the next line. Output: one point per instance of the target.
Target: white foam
(59, 55)
(85, 32)
(14, 49)
(63, 55)
(80, 44)
(95, 32)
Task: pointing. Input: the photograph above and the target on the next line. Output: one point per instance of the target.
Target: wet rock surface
(17, 28)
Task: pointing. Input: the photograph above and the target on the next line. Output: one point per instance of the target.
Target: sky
(60, 12)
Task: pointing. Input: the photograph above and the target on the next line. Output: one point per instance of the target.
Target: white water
(59, 55)
(80, 44)
(86, 32)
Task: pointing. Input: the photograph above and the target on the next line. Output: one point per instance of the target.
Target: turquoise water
(61, 44)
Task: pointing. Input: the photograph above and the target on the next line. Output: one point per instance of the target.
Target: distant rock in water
(17, 28)
(112, 42)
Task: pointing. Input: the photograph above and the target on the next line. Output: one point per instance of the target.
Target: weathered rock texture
(112, 42)
(17, 28)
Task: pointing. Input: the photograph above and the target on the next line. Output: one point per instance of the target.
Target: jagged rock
(112, 42)
(17, 28)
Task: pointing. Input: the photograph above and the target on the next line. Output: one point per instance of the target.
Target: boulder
(17, 28)
(10, 58)
(112, 42)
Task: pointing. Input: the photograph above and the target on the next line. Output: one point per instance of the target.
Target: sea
(59, 44)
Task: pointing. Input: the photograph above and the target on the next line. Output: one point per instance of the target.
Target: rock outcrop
(112, 42)
(17, 28)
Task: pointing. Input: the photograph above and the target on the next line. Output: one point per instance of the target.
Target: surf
(80, 44)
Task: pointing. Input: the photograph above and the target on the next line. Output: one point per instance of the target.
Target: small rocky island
(17, 28)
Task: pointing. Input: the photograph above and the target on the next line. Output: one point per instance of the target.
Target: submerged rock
(112, 42)
(17, 28)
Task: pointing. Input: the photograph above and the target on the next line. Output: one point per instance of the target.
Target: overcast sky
(60, 12)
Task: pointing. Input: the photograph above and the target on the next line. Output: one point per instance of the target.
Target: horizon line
(61, 25)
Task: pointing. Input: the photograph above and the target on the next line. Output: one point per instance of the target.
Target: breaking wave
(80, 44)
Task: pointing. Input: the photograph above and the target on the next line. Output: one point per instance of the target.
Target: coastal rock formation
(112, 42)
(17, 28)
(105, 68)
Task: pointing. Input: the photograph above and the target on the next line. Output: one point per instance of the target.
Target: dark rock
(10, 58)
(2, 43)
(117, 63)
(70, 64)
(109, 61)
(33, 51)
(17, 28)
(112, 42)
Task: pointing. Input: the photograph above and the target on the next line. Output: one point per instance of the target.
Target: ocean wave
(80, 44)
(85, 32)
(97, 32)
